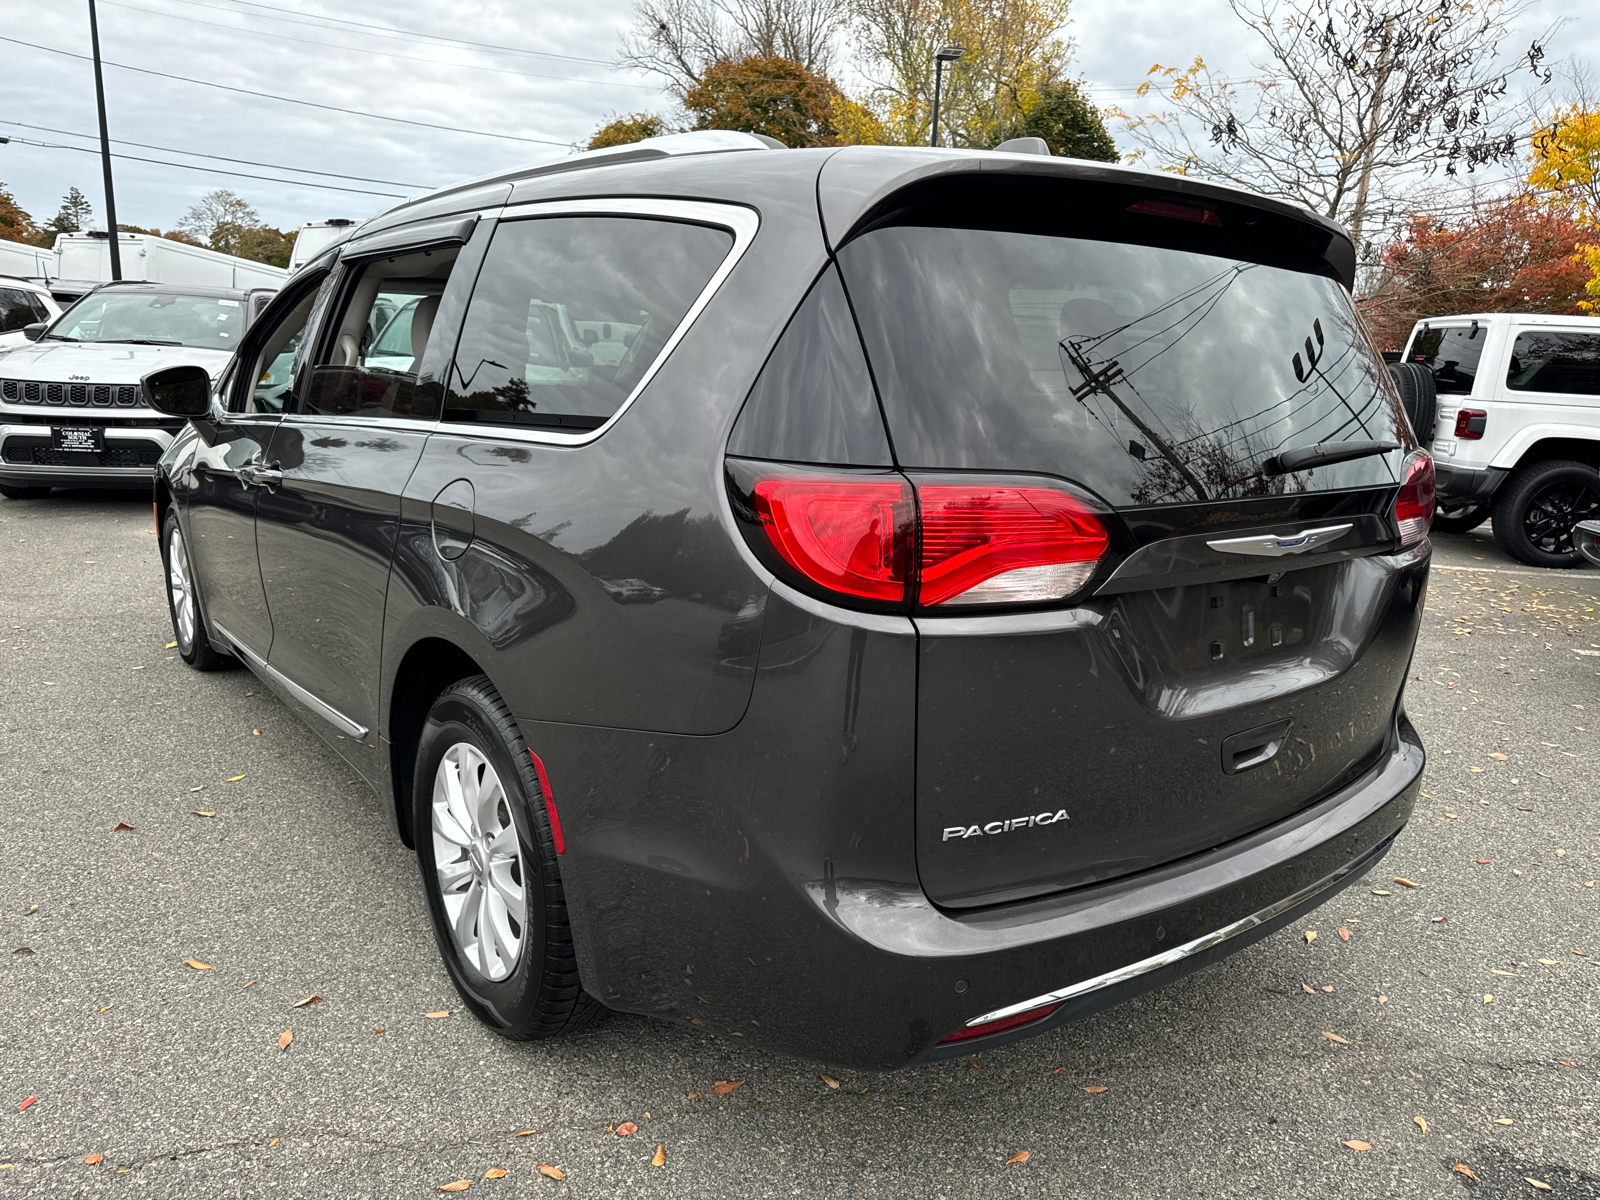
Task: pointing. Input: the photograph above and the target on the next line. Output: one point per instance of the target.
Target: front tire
(1453, 517)
(18, 491)
(1535, 510)
(489, 869)
(188, 622)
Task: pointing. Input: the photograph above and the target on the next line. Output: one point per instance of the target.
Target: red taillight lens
(985, 544)
(849, 535)
(1413, 507)
(1470, 423)
(1000, 1026)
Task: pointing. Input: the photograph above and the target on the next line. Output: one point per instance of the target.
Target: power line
(219, 157)
(354, 112)
(208, 170)
(363, 50)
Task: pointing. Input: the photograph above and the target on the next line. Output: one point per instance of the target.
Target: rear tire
(1454, 517)
(489, 869)
(183, 602)
(17, 491)
(1535, 510)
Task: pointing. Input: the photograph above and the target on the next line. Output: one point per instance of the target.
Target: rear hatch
(1240, 648)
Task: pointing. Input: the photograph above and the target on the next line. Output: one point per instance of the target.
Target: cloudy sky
(486, 86)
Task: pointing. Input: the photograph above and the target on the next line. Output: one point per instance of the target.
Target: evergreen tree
(1069, 124)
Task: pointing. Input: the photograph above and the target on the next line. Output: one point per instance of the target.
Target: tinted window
(16, 310)
(362, 371)
(814, 402)
(162, 318)
(1567, 363)
(273, 359)
(570, 312)
(1452, 354)
(1151, 374)
(40, 312)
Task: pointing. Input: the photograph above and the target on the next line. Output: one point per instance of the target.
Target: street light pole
(946, 54)
(105, 145)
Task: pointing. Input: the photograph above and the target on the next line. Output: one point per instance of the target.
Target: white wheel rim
(182, 590)
(478, 858)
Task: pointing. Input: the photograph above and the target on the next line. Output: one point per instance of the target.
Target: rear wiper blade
(1323, 454)
(141, 342)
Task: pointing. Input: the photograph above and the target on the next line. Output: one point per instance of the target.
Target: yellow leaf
(170, 646)
(197, 964)
(1463, 1169)
(1487, 998)
(1020, 1156)
(526, 1133)
(435, 1016)
(283, 1042)
(1422, 1123)
(1357, 1145)
(1405, 882)
(1311, 936)
(1504, 1121)
(459, 1185)
(660, 1160)
(198, 813)
(1500, 757)
(829, 1080)
(1334, 1037)
(552, 1172)
(233, 779)
(1538, 1183)
(495, 1173)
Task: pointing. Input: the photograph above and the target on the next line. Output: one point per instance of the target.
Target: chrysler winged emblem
(1274, 545)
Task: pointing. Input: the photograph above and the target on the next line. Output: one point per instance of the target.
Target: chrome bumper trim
(259, 665)
(1178, 953)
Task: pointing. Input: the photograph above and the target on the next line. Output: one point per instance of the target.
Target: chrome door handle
(254, 474)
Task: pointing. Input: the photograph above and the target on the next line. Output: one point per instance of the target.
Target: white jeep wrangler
(1517, 431)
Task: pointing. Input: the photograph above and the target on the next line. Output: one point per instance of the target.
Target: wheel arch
(1547, 445)
(429, 665)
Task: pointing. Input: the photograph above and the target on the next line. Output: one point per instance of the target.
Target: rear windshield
(1451, 353)
(1152, 375)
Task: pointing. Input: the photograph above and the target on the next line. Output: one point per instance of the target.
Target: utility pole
(105, 146)
(946, 54)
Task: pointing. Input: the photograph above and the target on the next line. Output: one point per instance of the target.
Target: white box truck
(83, 260)
(25, 262)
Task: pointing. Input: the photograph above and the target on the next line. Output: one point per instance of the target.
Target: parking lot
(1452, 1028)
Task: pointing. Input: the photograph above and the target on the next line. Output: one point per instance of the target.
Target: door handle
(255, 474)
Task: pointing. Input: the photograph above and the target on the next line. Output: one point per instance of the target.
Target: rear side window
(570, 312)
(1149, 373)
(1565, 363)
(16, 310)
(814, 401)
(1452, 354)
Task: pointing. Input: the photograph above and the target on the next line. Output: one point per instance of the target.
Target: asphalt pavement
(1464, 1011)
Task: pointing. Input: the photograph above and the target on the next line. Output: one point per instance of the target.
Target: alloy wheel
(1554, 510)
(182, 590)
(477, 856)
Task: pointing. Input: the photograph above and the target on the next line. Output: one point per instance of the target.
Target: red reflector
(987, 544)
(1000, 1026)
(849, 535)
(1182, 212)
(1470, 423)
(1413, 507)
(549, 804)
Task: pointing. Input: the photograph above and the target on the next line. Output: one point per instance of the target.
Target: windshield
(1153, 375)
(164, 319)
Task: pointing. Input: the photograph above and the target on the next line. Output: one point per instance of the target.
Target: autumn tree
(679, 40)
(172, 235)
(772, 96)
(1566, 161)
(1350, 101)
(625, 130)
(16, 225)
(1510, 254)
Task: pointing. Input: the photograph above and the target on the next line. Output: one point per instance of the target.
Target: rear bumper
(1467, 483)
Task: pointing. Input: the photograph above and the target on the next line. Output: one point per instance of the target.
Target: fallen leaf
(1550, 962)
(273, 1142)
(27, 1104)
(201, 788)
(526, 1133)
(495, 1173)
(197, 964)
(829, 1080)
(627, 1129)
(1463, 1169)
(1344, 934)
(1334, 1037)
(198, 813)
(233, 779)
(551, 1172)
(1504, 1121)
(459, 1185)
(170, 646)
(379, 1029)
(1096, 1089)
(1500, 757)
(251, 984)
(1588, 883)
(1487, 998)
(1538, 1183)
(306, 1001)
(23, 950)
(722, 1087)
(1484, 862)
(1355, 1145)
(1308, 989)
(1381, 892)
(1405, 882)
(121, 827)
(1422, 1123)
(693, 1096)
(1311, 936)
(285, 1039)
(94, 1159)
(1497, 971)
(1383, 999)
(1020, 1156)
(660, 1160)
(1441, 920)
(106, 1009)
(255, 733)
(1327, 987)
(437, 1016)
(1452, 816)
(33, 910)
(1057, 1071)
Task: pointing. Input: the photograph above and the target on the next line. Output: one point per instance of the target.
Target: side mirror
(35, 331)
(579, 358)
(178, 391)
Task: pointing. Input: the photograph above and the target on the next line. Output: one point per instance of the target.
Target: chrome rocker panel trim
(259, 665)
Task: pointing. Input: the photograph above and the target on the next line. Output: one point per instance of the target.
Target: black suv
(882, 602)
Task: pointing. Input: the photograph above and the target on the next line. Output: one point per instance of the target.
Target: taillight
(1015, 1021)
(884, 539)
(1004, 545)
(1470, 423)
(852, 536)
(1413, 507)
